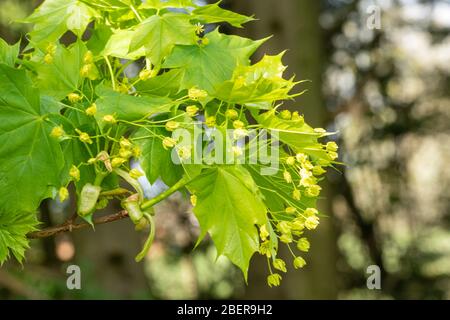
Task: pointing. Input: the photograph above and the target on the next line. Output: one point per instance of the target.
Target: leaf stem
(111, 72)
(177, 186)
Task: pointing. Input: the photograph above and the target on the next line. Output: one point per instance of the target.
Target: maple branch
(69, 226)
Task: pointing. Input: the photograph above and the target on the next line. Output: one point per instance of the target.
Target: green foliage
(13, 229)
(78, 114)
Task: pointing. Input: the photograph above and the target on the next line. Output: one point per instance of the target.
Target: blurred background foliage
(385, 91)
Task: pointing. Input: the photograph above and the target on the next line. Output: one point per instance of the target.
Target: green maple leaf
(159, 34)
(128, 107)
(8, 54)
(213, 13)
(14, 227)
(54, 17)
(258, 85)
(228, 207)
(62, 76)
(207, 66)
(155, 160)
(295, 133)
(30, 160)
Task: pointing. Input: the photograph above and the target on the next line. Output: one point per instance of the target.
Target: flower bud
(290, 210)
(135, 173)
(92, 110)
(285, 115)
(117, 162)
(210, 121)
(48, 58)
(63, 194)
(299, 262)
(57, 132)
(311, 222)
(303, 244)
(172, 125)
(74, 97)
(74, 173)
(231, 114)
(287, 176)
(296, 194)
(274, 280)
(263, 233)
(192, 110)
(88, 57)
(195, 94)
(109, 118)
(193, 200)
(169, 142)
(313, 191)
(238, 124)
(279, 265)
(145, 74)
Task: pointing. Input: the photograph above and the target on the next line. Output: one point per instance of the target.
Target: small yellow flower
(74, 172)
(51, 48)
(48, 58)
(284, 227)
(265, 249)
(169, 142)
(136, 173)
(290, 210)
(296, 194)
(88, 57)
(287, 176)
(172, 125)
(303, 244)
(231, 114)
(136, 151)
(125, 153)
(263, 233)
(307, 165)
(125, 143)
(299, 262)
(109, 118)
(312, 222)
(238, 124)
(290, 161)
(74, 97)
(286, 238)
(195, 94)
(210, 121)
(86, 70)
(274, 280)
(204, 41)
(296, 117)
(92, 110)
(313, 191)
(57, 132)
(63, 194)
(333, 155)
(193, 200)
(184, 152)
(192, 111)
(332, 146)
(92, 160)
(297, 225)
(309, 212)
(301, 157)
(279, 264)
(320, 130)
(84, 137)
(199, 28)
(145, 74)
(117, 162)
(286, 115)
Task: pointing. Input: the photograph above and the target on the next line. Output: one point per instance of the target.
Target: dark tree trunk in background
(294, 25)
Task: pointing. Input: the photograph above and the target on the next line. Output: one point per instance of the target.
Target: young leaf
(8, 54)
(228, 207)
(14, 227)
(207, 66)
(127, 107)
(54, 17)
(155, 160)
(213, 13)
(30, 160)
(158, 34)
(258, 85)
